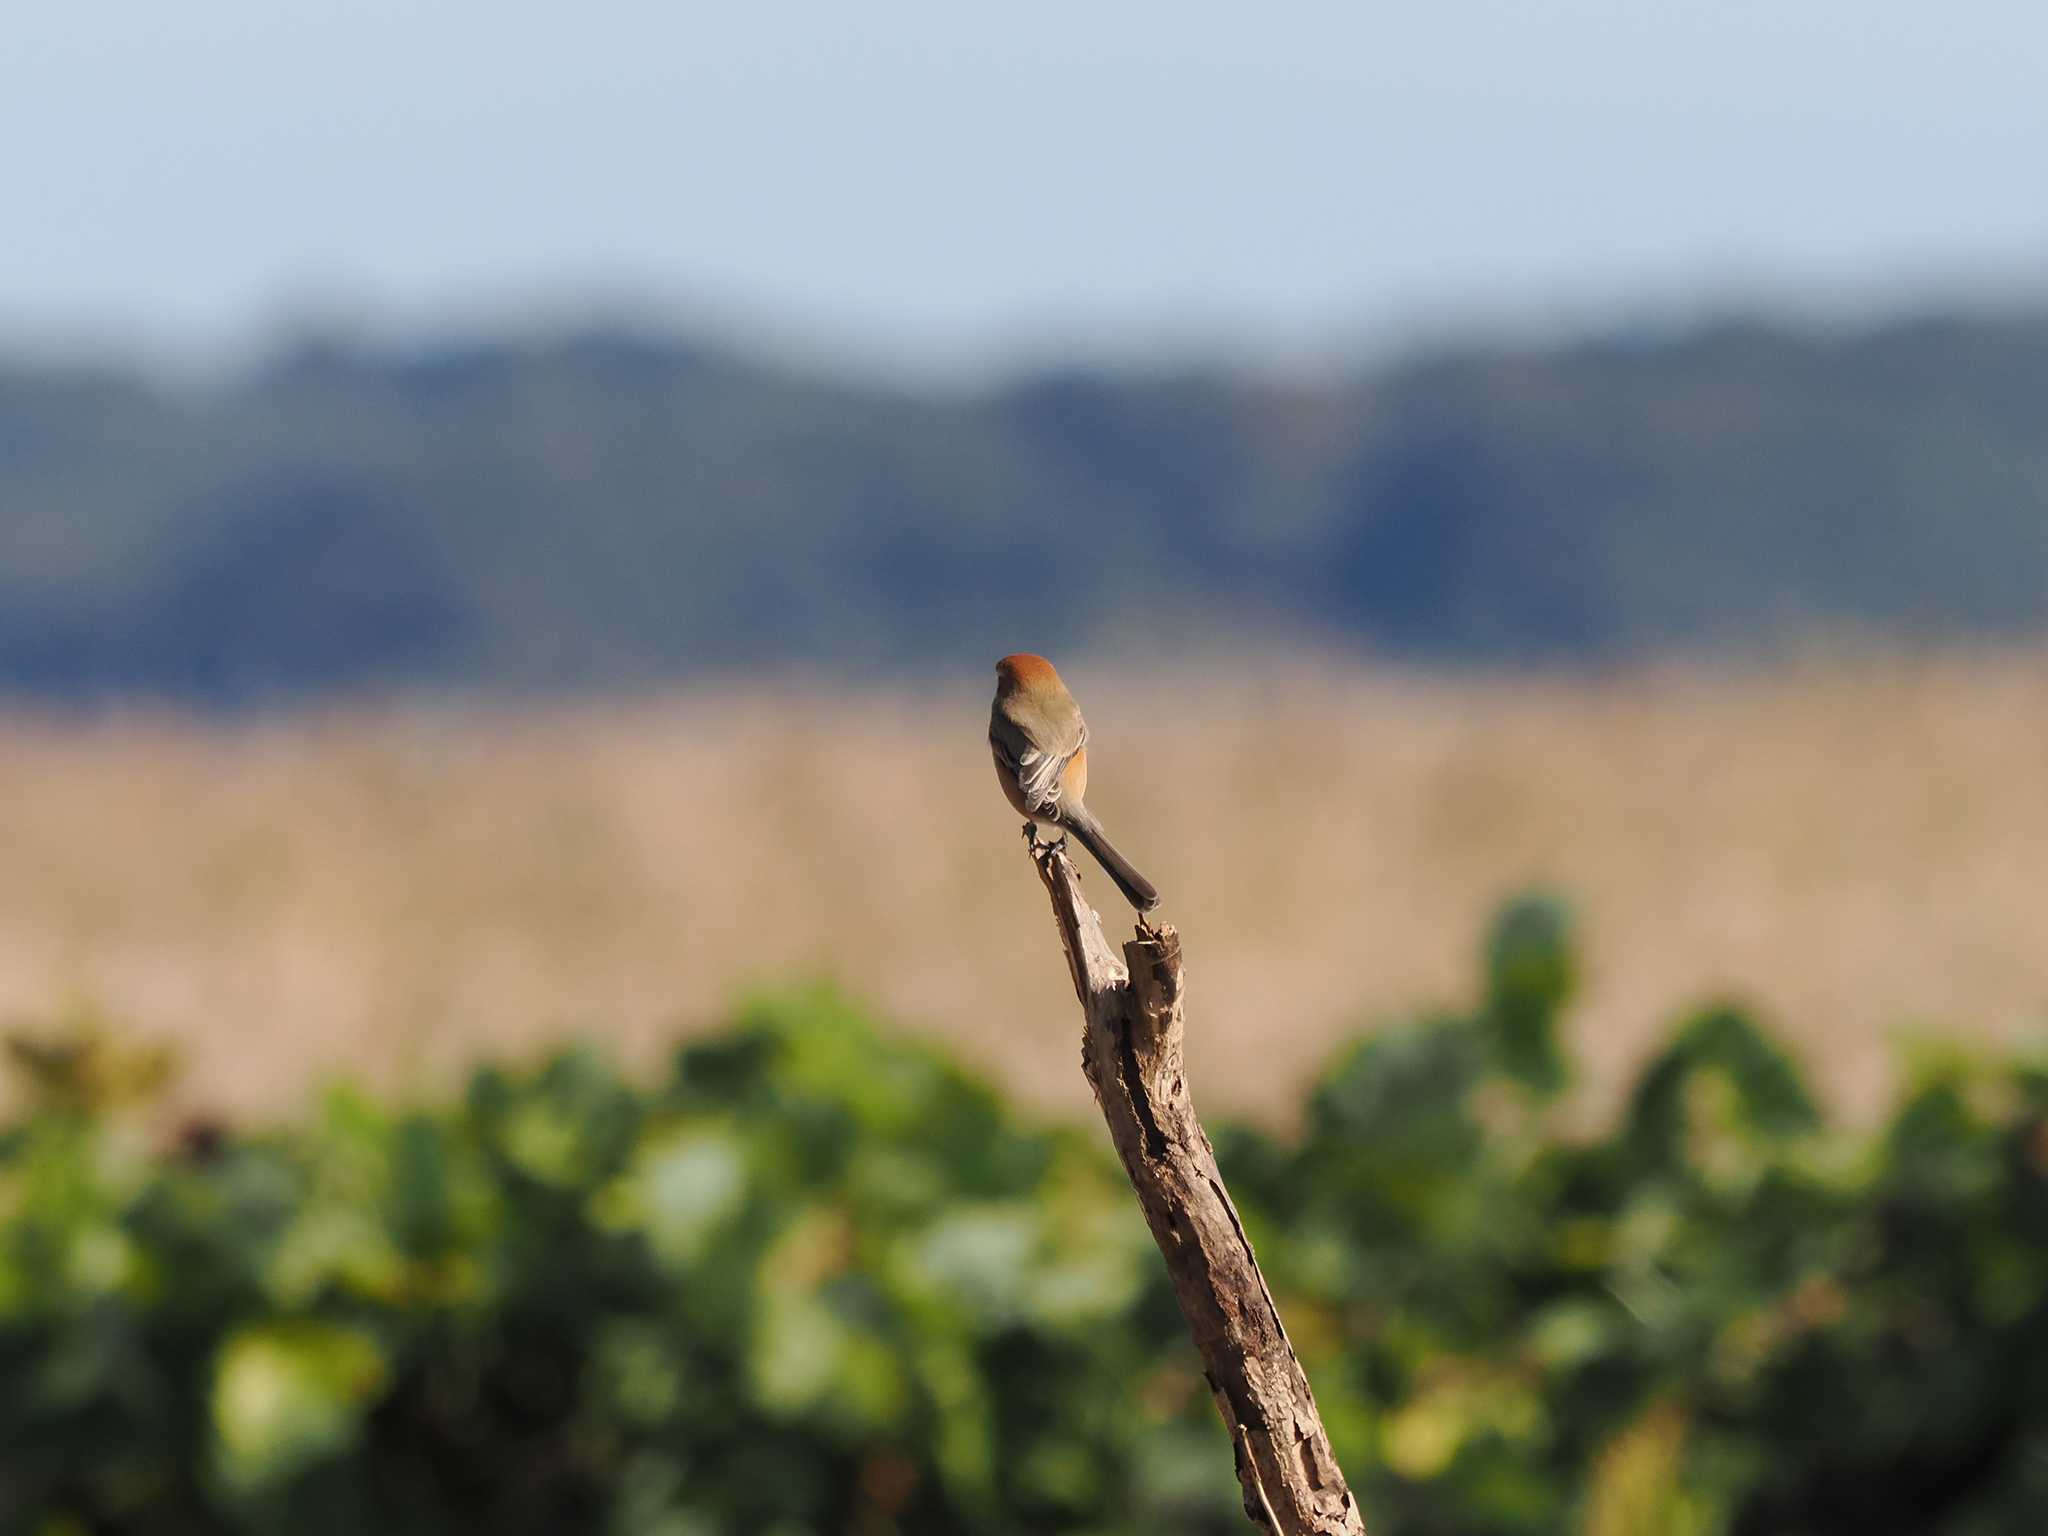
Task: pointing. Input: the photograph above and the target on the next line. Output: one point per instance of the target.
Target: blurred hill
(612, 508)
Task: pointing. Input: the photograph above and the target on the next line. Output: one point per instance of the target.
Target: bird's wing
(1037, 769)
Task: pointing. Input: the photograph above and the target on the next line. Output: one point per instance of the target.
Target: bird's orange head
(1028, 673)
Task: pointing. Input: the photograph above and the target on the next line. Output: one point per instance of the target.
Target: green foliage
(817, 1280)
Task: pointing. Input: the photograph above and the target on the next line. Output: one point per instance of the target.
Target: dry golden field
(1857, 846)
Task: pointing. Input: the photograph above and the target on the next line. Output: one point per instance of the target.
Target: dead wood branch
(1131, 1050)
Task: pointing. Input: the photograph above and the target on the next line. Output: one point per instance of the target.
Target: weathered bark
(1131, 1051)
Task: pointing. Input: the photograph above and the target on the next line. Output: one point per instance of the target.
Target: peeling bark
(1131, 1051)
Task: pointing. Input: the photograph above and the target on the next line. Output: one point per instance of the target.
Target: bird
(1040, 744)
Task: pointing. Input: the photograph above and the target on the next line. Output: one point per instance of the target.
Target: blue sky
(936, 185)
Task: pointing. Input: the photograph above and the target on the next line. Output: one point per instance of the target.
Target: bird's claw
(1040, 849)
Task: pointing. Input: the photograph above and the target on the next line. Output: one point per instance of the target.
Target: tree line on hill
(616, 508)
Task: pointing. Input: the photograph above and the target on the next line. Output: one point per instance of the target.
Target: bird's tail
(1138, 891)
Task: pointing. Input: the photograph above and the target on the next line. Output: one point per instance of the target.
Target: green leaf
(289, 1394)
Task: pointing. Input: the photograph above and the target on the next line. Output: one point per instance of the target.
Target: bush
(820, 1281)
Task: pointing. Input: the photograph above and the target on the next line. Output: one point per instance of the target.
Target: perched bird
(1040, 744)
